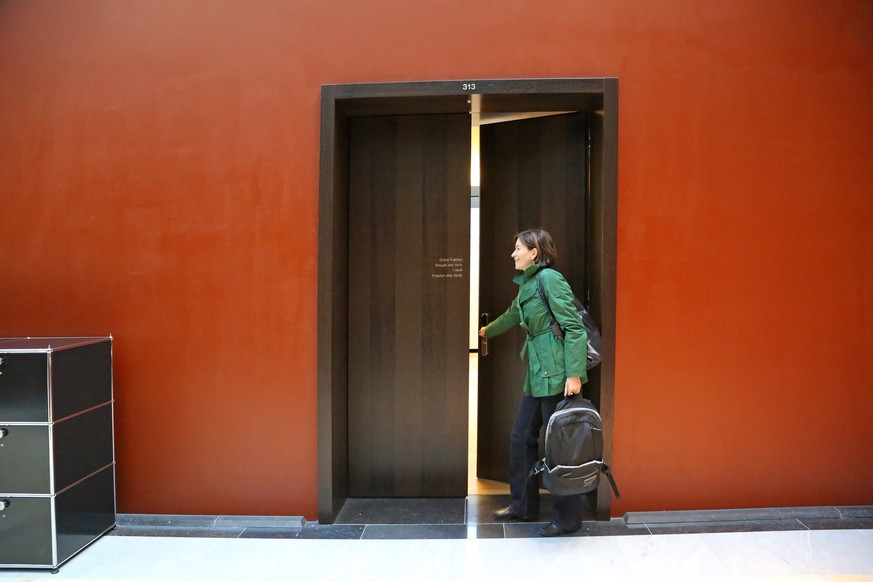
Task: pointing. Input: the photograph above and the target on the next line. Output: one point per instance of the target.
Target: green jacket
(549, 360)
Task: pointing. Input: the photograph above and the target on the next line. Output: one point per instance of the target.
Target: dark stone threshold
(842, 517)
(208, 526)
(472, 518)
(209, 521)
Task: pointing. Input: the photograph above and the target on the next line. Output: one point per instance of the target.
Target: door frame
(339, 103)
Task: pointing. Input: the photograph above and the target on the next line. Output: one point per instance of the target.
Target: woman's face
(523, 256)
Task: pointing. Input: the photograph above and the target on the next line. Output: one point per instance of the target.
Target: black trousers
(533, 413)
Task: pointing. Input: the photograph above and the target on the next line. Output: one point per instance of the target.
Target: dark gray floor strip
(472, 518)
(205, 521)
(735, 515)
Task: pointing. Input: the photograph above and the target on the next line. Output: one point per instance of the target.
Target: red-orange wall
(159, 181)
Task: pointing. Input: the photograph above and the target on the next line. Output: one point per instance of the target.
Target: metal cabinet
(57, 457)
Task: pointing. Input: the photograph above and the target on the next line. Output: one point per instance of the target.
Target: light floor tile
(798, 556)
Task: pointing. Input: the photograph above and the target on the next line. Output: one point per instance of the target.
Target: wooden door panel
(409, 204)
(533, 173)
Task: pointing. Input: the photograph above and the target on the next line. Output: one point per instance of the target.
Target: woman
(555, 369)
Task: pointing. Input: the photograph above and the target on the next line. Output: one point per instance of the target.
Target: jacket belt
(527, 340)
(533, 335)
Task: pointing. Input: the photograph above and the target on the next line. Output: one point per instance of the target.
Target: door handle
(483, 341)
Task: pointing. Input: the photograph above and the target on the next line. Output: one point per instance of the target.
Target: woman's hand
(572, 386)
(481, 332)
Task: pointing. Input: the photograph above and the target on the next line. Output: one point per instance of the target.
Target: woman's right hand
(481, 332)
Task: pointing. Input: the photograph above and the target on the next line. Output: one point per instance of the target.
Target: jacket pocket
(550, 352)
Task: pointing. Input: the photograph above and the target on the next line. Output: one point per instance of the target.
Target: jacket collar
(527, 274)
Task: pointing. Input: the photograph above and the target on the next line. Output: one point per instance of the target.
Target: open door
(408, 305)
(533, 173)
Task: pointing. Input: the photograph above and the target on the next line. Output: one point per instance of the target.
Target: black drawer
(50, 384)
(26, 531)
(24, 459)
(23, 387)
(82, 514)
(80, 446)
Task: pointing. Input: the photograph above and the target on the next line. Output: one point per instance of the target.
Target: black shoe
(508, 514)
(553, 529)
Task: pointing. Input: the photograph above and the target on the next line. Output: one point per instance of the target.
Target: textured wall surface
(159, 181)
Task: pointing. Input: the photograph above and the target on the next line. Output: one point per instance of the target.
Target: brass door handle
(483, 341)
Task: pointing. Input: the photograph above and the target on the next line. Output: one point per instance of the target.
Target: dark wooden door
(533, 173)
(409, 240)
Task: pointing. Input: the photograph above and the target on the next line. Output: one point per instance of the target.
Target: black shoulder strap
(545, 298)
(612, 484)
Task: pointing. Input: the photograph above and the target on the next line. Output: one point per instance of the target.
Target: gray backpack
(574, 450)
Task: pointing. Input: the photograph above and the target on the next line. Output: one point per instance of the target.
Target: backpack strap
(544, 297)
(553, 323)
(539, 467)
(608, 471)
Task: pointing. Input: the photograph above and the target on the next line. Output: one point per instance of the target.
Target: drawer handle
(4, 503)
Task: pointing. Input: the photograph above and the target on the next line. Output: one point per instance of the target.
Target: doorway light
(474, 157)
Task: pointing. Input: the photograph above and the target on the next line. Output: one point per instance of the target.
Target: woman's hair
(539, 239)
